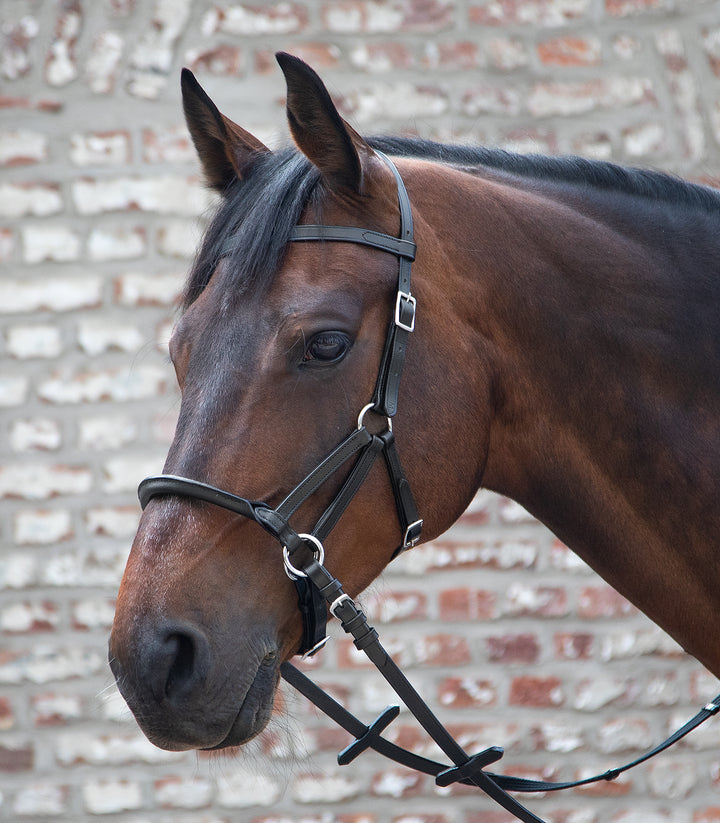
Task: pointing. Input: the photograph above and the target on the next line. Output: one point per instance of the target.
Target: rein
(319, 592)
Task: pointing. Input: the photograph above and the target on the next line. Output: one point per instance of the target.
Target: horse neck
(603, 413)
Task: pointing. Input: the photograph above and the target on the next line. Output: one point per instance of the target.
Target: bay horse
(566, 354)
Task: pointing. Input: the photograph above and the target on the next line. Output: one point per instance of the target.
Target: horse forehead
(316, 273)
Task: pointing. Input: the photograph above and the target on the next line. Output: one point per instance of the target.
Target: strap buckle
(335, 605)
(412, 534)
(405, 305)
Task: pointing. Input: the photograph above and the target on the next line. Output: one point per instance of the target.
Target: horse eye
(327, 347)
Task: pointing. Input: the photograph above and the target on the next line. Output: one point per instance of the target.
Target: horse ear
(225, 150)
(317, 128)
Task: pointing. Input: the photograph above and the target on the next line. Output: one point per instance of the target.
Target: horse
(560, 346)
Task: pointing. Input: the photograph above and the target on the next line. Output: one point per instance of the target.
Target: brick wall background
(512, 638)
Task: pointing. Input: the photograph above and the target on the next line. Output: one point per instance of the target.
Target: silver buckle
(409, 542)
(344, 598)
(410, 300)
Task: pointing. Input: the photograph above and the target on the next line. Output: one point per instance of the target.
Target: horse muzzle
(184, 696)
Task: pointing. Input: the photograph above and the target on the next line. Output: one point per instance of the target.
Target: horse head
(277, 350)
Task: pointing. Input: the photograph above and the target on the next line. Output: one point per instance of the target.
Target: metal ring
(319, 555)
(365, 410)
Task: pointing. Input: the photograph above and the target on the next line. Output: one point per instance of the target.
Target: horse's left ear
(318, 130)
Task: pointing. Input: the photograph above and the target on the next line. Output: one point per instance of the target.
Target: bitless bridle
(319, 592)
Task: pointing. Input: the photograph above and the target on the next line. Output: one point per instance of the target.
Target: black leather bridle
(319, 592)
(361, 444)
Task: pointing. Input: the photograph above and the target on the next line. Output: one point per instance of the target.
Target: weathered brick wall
(510, 636)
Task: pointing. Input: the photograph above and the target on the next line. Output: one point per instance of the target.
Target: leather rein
(319, 592)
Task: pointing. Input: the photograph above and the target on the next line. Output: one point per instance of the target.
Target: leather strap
(387, 387)
(349, 489)
(350, 234)
(353, 443)
(466, 769)
(410, 521)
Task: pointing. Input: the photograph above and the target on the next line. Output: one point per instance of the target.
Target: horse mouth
(254, 712)
(205, 717)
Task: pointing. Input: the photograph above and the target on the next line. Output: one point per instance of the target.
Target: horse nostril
(183, 663)
(180, 662)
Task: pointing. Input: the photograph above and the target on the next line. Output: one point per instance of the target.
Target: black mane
(571, 170)
(262, 210)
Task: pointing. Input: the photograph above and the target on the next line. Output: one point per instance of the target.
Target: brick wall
(512, 638)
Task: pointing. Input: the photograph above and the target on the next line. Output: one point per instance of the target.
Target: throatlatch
(319, 592)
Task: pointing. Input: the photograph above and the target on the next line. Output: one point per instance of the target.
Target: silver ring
(319, 555)
(365, 410)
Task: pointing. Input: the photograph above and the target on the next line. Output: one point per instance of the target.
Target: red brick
(581, 97)
(455, 56)
(367, 16)
(442, 650)
(410, 737)
(392, 607)
(626, 8)
(513, 648)
(536, 601)
(102, 148)
(465, 604)
(453, 553)
(574, 645)
(50, 106)
(222, 60)
(171, 145)
(7, 716)
(348, 657)
(624, 734)
(455, 604)
(541, 692)
(321, 56)
(397, 783)
(381, 57)
(56, 709)
(603, 601)
(328, 740)
(61, 65)
(467, 693)
(92, 614)
(22, 148)
(257, 19)
(529, 12)
(17, 759)
(16, 44)
(570, 51)
(29, 618)
(711, 44)
(527, 140)
(7, 244)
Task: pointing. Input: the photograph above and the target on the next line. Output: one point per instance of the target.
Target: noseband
(319, 592)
